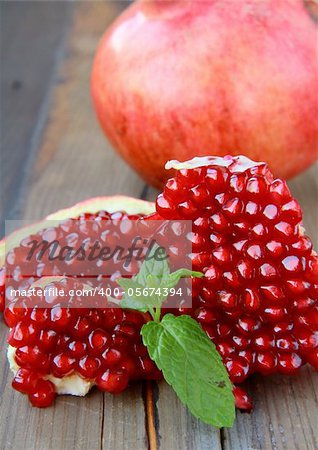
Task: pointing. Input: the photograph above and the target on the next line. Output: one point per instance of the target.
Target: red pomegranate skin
(173, 80)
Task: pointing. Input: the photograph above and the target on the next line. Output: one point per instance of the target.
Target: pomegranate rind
(110, 204)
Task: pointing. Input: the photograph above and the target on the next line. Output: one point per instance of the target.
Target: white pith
(241, 162)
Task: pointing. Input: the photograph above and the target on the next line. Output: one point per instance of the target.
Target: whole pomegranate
(175, 79)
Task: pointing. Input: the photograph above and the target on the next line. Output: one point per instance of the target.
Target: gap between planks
(150, 396)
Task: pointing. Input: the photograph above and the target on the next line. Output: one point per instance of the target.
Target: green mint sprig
(179, 346)
(150, 288)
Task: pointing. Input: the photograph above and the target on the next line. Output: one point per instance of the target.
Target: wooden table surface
(53, 155)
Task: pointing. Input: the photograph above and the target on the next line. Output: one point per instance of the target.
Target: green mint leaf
(150, 287)
(134, 297)
(153, 281)
(169, 282)
(126, 283)
(192, 366)
(173, 278)
(154, 266)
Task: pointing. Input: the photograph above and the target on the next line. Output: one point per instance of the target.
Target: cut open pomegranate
(63, 350)
(257, 300)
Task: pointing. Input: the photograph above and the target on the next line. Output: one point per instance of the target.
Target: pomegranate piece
(258, 300)
(59, 343)
(108, 353)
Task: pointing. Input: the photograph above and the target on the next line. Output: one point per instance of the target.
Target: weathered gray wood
(124, 421)
(284, 416)
(72, 422)
(73, 162)
(32, 37)
(177, 429)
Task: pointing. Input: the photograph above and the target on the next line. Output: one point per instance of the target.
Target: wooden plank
(32, 36)
(284, 416)
(176, 428)
(71, 423)
(74, 162)
(124, 421)
(305, 190)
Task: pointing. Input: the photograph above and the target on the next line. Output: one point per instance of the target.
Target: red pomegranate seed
(127, 329)
(77, 349)
(48, 340)
(22, 334)
(98, 340)
(289, 363)
(242, 400)
(114, 381)
(14, 314)
(33, 358)
(43, 394)
(40, 316)
(62, 365)
(111, 357)
(266, 362)
(238, 369)
(81, 328)
(149, 368)
(61, 318)
(25, 381)
(88, 367)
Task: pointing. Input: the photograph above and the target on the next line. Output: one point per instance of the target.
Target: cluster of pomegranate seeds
(258, 299)
(21, 270)
(101, 345)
